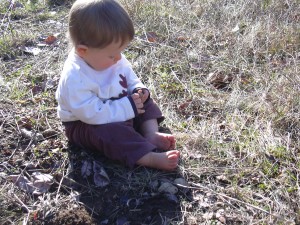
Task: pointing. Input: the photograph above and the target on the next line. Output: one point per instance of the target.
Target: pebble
(168, 188)
(181, 181)
(182, 184)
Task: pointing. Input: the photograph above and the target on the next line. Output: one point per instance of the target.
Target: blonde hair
(98, 23)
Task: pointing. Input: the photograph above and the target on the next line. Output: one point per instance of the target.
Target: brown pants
(119, 141)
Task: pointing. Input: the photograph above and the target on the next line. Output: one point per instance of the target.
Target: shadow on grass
(132, 196)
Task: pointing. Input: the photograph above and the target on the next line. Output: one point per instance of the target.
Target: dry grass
(226, 75)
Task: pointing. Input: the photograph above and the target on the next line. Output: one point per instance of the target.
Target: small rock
(168, 188)
(49, 132)
(181, 181)
(182, 184)
(30, 134)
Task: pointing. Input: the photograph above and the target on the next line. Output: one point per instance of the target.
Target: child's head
(98, 23)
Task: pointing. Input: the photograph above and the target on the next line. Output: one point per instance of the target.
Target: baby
(102, 103)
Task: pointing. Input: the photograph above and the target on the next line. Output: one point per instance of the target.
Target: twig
(25, 220)
(2, 122)
(60, 183)
(19, 200)
(12, 154)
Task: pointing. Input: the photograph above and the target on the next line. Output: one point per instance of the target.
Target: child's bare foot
(160, 160)
(162, 141)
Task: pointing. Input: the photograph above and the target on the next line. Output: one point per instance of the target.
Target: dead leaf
(151, 36)
(101, 178)
(50, 39)
(31, 50)
(184, 105)
(41, 182)
(22, 182)
(37, 176)
(25, 122)
(86, 169)
(182, 38)
(220, 80)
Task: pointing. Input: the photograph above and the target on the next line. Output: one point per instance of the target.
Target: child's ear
(81, 50)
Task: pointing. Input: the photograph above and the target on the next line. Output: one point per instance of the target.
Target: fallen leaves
(150, 37)
(220, 80)
(86, 169)
(38, 183)
(43, 41)
(50, 39)
(194, 108)
(100, 176)
(184, 105)
(182, 38)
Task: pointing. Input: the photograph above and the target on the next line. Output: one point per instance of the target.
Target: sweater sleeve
(77, 102)
(133, 81)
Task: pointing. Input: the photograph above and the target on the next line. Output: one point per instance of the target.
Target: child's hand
(144, 94)
(138, 103)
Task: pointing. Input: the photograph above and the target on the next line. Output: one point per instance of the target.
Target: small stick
(19, 200)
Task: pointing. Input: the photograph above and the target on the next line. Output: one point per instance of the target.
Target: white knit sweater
(96, 97)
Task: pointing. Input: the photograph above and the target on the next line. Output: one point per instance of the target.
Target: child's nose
(117, 57)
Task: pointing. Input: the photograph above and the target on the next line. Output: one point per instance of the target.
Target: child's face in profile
(101, 59)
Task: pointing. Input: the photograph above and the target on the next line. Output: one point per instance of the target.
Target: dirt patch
(72, 216)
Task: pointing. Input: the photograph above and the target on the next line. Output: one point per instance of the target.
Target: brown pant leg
(117, 141)
(152, 111)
